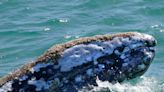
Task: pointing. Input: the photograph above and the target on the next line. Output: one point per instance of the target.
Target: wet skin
(77, 64)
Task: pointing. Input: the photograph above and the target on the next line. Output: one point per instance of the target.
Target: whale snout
(141, 56)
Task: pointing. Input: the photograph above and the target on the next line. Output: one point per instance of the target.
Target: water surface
(29, 27)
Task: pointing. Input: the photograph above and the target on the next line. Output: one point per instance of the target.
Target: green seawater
(29, 27)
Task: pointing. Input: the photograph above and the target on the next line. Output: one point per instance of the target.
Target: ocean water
(29, 27)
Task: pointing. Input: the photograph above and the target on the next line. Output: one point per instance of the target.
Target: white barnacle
(148, 37)
(117, 52)
(151, 48)
(37, 67)
(125, 64)
(89, 72)
(40, 84)
(3, 90)
(120, 72)
(116, 42)
(126, 49)
(6, 87)
(126, 41)
(132, 46)
(122, 56)
(101, 66)
(78, 78)
(65, 80)
(149, 54)
(95, 62)
(24, 77)
(126, 60)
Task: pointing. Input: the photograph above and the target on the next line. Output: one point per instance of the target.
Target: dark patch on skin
(120, 49)
(29, 88)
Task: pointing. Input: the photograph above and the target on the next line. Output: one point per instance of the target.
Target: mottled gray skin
(131, 55)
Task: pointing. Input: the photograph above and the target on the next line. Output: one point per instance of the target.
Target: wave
(143, 84)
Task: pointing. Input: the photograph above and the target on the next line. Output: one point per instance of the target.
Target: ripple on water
(28, 28)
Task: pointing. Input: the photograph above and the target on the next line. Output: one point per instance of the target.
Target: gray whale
(76, 65)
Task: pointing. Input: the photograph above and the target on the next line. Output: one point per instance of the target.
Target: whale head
(137, 55)
(111, 57)
(77, 64)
